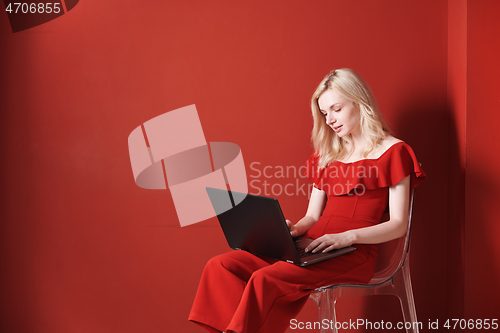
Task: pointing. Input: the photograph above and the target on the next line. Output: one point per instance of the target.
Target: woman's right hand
(314, 210)
(294, 232)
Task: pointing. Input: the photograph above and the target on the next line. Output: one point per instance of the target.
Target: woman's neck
(358, 141)
(354, 149)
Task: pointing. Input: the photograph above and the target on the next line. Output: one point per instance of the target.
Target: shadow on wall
(424, 123)
(438, 250)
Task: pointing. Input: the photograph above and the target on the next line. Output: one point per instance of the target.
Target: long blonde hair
(326, 143)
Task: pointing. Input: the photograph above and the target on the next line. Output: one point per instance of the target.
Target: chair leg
(325, 300)
(404, 292)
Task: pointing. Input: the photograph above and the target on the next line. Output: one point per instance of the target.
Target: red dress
(240, 292)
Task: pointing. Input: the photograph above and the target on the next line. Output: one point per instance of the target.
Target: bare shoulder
(389, 141)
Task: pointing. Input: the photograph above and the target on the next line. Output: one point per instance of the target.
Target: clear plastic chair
(392, 277)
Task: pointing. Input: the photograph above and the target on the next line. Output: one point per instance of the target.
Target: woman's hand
(330, 242)
(294, 231)
(314, 210)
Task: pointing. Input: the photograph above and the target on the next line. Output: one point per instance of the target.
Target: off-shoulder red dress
(240, 292)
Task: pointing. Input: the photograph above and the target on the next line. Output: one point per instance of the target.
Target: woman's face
(340, 114)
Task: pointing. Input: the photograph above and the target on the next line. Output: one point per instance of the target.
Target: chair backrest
(392, 254)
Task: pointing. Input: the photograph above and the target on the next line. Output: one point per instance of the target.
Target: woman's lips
(337, 128)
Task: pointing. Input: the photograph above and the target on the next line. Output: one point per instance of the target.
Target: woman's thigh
(239, 263)
(353, 267)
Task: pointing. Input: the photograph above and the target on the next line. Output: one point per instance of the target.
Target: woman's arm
(314, 210)
(399, 196)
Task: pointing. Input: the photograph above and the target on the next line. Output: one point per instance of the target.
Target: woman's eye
(338, 110)
(323, 114)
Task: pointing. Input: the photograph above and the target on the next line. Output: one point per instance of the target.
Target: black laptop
(256, 224)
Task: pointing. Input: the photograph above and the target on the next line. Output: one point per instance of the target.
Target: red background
(83, 249)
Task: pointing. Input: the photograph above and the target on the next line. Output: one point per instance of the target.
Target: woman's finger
(313, 245)
(331, 247)
(319, 247)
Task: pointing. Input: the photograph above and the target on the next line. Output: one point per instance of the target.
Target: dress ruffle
(339, 178)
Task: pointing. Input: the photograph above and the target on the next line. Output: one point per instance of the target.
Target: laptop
(256, 224)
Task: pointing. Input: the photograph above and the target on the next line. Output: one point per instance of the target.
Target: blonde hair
(326, 143)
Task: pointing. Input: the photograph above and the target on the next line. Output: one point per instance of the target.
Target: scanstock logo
(28, 14)
(171, 151)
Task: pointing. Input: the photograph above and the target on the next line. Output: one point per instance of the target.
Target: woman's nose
(330, 119)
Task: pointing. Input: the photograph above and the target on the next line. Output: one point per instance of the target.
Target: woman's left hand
(330, 242)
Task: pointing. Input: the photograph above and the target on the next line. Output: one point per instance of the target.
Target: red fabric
(338, 178)
(242, 293)
(358, 192)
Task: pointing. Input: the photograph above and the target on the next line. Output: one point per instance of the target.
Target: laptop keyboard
(303, 253)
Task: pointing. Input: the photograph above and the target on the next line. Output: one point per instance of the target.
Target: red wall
(457, 104)
(482, 180)
(83, 249)
(473, 251)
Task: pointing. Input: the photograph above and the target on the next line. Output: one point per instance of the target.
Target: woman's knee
(263, 275)
(238, 263)
(280, 273)
(230, 261)
(217, 261)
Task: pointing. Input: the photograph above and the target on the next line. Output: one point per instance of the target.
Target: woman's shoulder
(385, 145)
(398, 161)
(389, 141)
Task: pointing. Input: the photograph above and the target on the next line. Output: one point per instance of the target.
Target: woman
(358, 169)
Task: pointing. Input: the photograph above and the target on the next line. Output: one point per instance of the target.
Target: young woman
(358, 169)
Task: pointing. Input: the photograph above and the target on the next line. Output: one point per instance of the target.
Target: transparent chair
(392, 277)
